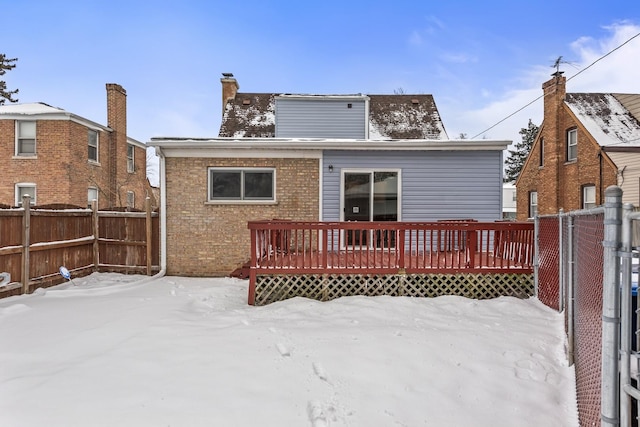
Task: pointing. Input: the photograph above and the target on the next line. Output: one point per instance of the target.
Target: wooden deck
(288, 248)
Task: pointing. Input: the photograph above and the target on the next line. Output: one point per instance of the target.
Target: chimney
(117, 121)
(229, 89)
(553, 133)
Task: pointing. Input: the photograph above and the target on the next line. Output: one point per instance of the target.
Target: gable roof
(606, 118)
(390, 116)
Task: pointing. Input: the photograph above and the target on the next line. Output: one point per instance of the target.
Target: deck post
(252, 267)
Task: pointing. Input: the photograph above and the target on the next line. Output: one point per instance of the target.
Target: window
(93, 145)
(241, 184)
(588, 196)
(131, 199)
(26, 138)
(533, 204)
(541, 164)
(131, 167)
(24, 189)
(92, 194)
(572, 145)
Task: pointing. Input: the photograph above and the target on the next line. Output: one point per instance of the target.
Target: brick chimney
(117, 121)
(554, 139)
(230, 87)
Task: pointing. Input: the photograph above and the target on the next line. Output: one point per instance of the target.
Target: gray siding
(435, 184)
(326, 118)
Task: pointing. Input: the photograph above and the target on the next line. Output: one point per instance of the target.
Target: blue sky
(480, 60)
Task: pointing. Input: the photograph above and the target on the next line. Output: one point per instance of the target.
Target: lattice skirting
(329, 286)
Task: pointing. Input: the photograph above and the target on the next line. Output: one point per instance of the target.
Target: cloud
(615, 72)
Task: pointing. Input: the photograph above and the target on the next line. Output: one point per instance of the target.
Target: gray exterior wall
(435, 184)
(326, 118)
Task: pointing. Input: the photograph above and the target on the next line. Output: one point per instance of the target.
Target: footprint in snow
(319, 371)
(283, 350)
(316, 415)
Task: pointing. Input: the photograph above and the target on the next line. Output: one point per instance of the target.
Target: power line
(541, 96)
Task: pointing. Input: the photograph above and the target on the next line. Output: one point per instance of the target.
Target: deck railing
(293, 247)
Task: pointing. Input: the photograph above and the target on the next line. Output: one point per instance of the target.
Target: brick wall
(559, 183)
(208, 239)
(61, 170)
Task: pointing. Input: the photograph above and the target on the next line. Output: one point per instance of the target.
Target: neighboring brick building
(586, 142)
(58, 157)
(315, 158)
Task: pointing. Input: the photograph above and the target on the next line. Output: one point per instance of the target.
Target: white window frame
(90, 197)
(572, 145)
(18, 193)
(96, 146)
(131, 162)
(20, 137)
(533, 204)
(241, 198)
(131, 199)
(588, 196)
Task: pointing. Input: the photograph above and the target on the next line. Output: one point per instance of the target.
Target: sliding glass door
(370, 196)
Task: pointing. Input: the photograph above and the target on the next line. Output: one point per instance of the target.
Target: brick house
(315, 158)
(58, 157)
(586, 142)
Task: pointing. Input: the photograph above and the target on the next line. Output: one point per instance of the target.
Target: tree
(515, 160)
(6, 64)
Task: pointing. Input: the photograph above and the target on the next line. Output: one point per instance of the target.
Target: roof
(390, 116)
(30, 108)
(42, 111)
(606, 117)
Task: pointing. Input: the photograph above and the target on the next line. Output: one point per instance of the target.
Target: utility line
(541, 96)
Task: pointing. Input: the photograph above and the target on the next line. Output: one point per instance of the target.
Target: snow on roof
(390, 116)
(30, 108)
(606, 119)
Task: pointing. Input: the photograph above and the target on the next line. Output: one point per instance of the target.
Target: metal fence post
(626, 316)
(571, 293)
(609, 391)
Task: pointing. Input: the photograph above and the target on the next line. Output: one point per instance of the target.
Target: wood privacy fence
(35, 243)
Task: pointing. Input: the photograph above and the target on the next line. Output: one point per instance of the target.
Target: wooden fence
(35, 243)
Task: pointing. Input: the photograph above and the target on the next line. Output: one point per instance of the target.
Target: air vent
(246, 101)
(349, 105)
(415, 101)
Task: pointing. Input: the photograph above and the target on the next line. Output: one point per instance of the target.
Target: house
(586, 142)
(57, 157)
(509, 201)
(316, 158)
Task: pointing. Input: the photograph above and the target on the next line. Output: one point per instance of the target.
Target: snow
(606, 119)
(123, 350)
(30, 108)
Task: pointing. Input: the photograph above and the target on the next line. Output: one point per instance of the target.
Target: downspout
(163, 216)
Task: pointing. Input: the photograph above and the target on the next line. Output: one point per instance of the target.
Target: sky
(482, 61)
(123, 350)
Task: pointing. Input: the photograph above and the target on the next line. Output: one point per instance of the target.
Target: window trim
(585, 187)
(97, 145)
(17, 152)
(131, 199)
(131, 160)
(241, 200)
(570, 145)
(97, 196)
(18, 199)
(532, 204)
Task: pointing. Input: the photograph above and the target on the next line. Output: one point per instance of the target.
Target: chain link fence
(569, 275)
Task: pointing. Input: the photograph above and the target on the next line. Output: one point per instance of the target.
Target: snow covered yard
(109, 350)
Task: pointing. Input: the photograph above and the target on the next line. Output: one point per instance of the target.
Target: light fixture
(330, 168)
